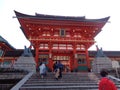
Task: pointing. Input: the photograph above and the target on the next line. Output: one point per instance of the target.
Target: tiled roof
(54, 17)
(2, 40)
(16, 53)
(107, 53)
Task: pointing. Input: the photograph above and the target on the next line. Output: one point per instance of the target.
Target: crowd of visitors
(57, 69)
(104, 84)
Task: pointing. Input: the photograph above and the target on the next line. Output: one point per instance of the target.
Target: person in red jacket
(105, 83)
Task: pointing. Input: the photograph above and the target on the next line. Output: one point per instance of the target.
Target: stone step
(55, 82)
(61, 87)
(62, 79)
(65, 76)
(75, 87)
(59, 81)
(61, 84)
(58, 84)
(69, 79)
(64, 73)
(5, 86)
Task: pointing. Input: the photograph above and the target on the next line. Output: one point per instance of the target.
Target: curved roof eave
(53, 17)
(99, 20)
(23, 32)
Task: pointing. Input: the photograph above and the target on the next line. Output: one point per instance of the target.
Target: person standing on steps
(56, 70)
(42, 70)
(55, 66)
(58, 67)
(105, 83)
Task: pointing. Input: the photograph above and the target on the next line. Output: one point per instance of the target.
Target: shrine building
(9, 55)
(61, 38)
(4, 47)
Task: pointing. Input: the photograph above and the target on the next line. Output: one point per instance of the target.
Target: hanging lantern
(50, 55)
(75, 55)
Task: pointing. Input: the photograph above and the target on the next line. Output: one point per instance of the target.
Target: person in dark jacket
(55, 66)
(58, 67)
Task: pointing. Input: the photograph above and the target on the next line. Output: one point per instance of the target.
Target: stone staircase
(69, 81)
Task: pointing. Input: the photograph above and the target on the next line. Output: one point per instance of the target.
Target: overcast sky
(108, 38)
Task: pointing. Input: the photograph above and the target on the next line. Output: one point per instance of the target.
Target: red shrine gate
(61, 38)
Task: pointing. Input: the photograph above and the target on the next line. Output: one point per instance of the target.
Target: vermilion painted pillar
(75, 57)
(75, 63)
(50, 58)
(71, 62)
(88, 61)
(51, 64)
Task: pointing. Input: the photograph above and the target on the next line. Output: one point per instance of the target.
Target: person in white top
(42, 70)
